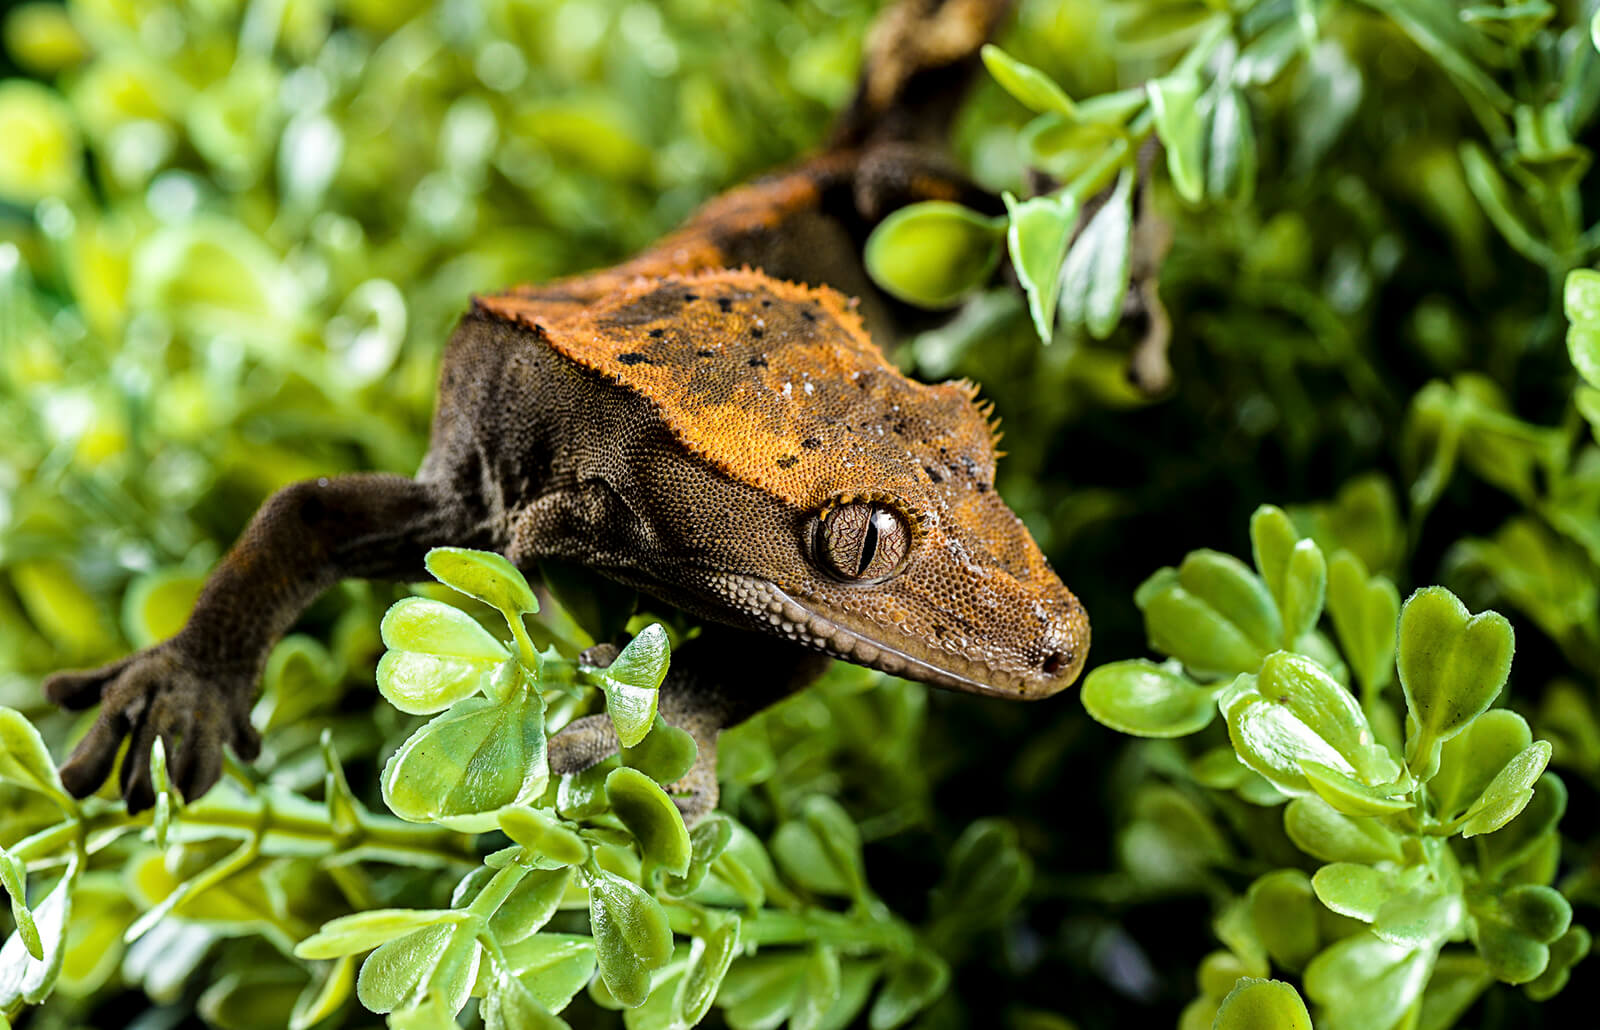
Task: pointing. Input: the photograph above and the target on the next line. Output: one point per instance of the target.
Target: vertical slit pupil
(869, 544)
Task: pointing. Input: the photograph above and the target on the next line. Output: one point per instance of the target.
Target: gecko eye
(861, 541)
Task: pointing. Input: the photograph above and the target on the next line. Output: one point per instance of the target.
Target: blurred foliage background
(234, 237)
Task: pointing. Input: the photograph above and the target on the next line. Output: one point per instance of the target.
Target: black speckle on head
(656, 334)
(690, 298)
(788, 461)
(932, 474)
(633, 358)
(704, 353)
(810, 443)
(757, 333)
(757, 362)
(766, 303)
(808, 314)
(981, 486)
(725, 303)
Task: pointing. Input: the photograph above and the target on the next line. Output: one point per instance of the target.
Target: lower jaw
(796, 622)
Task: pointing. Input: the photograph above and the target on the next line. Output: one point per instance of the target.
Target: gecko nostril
(1052, 663)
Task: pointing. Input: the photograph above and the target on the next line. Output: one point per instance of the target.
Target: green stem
(850, 936)
(377, 837)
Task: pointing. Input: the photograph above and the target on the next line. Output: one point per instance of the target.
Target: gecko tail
(921, 58)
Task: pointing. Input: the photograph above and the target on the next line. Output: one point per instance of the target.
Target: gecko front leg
(717, 680)
(194, 691)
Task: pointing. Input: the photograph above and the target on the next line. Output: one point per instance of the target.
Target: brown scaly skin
(691, 423)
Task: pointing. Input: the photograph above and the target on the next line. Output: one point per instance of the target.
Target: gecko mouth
(796, 621)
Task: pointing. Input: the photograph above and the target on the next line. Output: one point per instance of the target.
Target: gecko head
(956, 595)
(804, 486)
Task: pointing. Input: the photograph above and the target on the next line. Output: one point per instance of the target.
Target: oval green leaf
(1037, 237)
(934, 253)
(465, 765)
(1262, 1005)
(1036, 90)
(1094, 278)
(489, 577)
(650, 816)
(1148, 700)
(631, 936)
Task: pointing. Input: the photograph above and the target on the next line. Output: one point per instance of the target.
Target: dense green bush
(233, 237)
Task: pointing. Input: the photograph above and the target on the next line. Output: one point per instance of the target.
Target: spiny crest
(778, 385)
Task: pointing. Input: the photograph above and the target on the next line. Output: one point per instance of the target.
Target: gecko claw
(155, 694)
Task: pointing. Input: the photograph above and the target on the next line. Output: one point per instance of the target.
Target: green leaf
(509, 1005)
(1364, 982)
(650, 816)
(819, 988)
(821, 850)
(1036, 90)
(1354, 889)
(438, 655)
(1148, 700)
(471, 761)
(665, 755)
(1293, 570)
(1295, 713)
(1564, 952)
(987, 874)
(330, 987)
(1351, 796)
(529, 905)
(1320, 831)
(43, 155)
(1262, 1005)
(25, 761)
(707, 841)
(1283, 909)
(25, 977)
(1509, 792)
(489, 577)
(1512, 957)
(1540, 912)
(1452, 664)
(157, 605)
(552, 966)
(1094, 279)
(544, 835)
(709, 959)
(911, 985)
(1520, 840)
(363, 931)
(631, 936)
(1581, 299)
(934, 253)
(760, 991)
(632, 683)
(433, 627)
(1365, 613)
(427, 1011)
(1037, 238)
(14, 877)
(1211, 613)
(1174, 102)
(1421, 918)
(1230, 148)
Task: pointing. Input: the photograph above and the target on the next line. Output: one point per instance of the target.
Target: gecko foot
(157, 692)
(590, 740)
